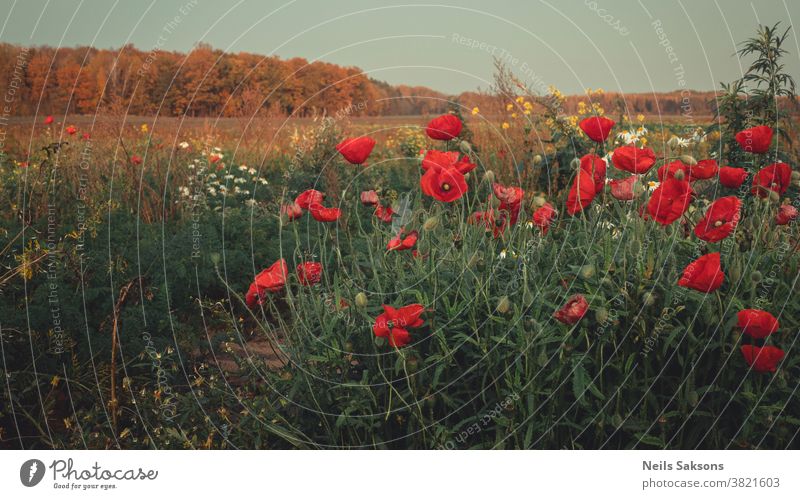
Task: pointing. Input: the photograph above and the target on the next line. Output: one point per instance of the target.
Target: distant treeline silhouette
(210, 82)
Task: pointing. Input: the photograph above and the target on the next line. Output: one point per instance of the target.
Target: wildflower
(505, 126)
(623, 189)
(269, 280)
(356, 150)
(309, 197)
(704, 274)
(323, 214)
(443, 184)
(786, 213)
(384, 213)
(543, 217)
(475, 110)
(720, 219)
(71, 130)
(510, 200)
(596, 166)
(775, 177)
(669, 201)
(756, 140)
(369, 198)
(143, 128)
(597, 128)
(48, 120)
(444, 127)
(756, 323)
(669, 170)
(136, 160)
(633, 159)
(731, 177)
(400, 243)
(183, 145)
(703, 169)
(394, 323)
(581, 193)
(762, 359)
(447, 160)
(309, 273)
(292, 211)
(573, 311)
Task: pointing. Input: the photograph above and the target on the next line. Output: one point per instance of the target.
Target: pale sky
(619, 45)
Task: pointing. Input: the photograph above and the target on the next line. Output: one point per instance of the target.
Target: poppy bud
(542, 360)
(539, 201)
(215, 258)
(649, 299)
(361, 300)
(537, 160)
(575, 163)
(348, 346)
(692, 398)
(755, 277)
(430, 224)
(412, 364)
(688, 160)
(680, 175)
(465, 147)
(774, 197)
(587, 271)
(473, 260)
(673, 141)
(601, 315)
(488, 177)
(504, 305)
(635, 246)
(736, 272)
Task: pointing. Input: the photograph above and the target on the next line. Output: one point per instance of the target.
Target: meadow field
(513, 277)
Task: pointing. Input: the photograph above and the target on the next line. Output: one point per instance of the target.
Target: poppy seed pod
(430, 224)
(755, 277)
(504, 305)
(361, 300)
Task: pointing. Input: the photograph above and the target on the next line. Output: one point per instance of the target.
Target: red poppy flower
(323, 214)
(720, 219)
(444, 127)
(756, 139)
(510, 200)
(356, 150)
(443, 184)
(731, 177)
(543, 217)
(703, 170)
(581, 193)
(86, 136)
(270, 280)
(71, 130)
(369, 198)
(775, 177)
(493, 223)
(756, 323)
(214, 158)
(669, 201)
(309, 197)
(597, 128)
(633, 160)
(447, 160)
(394, 323)
(596, 167)
(573, 311)
(309, 273)
(762, 359)
(622, 189)
(292, 211)
(400, 243)
(669, 170)
(136, 160)
(384, 213)
(704, 274)
(786, 213)
(48, 120)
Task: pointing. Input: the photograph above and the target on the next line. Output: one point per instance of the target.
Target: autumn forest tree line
(210, 82)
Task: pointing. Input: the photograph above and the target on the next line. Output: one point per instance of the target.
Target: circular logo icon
(31, 472)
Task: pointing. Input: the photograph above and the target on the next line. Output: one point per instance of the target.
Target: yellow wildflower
(505, 126)
(475, 110)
